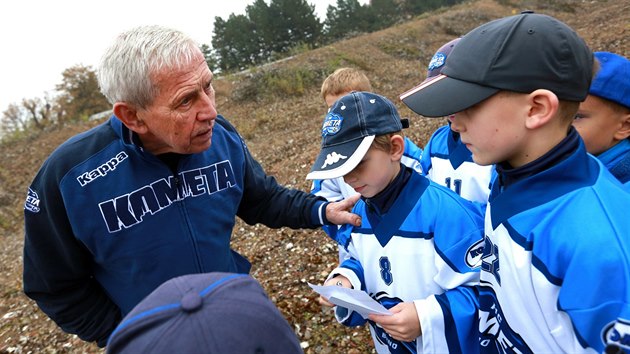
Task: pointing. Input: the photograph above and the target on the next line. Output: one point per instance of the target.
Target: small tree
(79, 94)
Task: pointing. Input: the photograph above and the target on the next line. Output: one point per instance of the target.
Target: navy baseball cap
(205, 313)
(520, 53)
(612, 81)
(349, 129)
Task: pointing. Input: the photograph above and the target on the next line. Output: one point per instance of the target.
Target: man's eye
(185, 101)
(578, 116)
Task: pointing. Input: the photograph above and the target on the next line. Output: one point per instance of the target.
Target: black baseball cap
(520, 53)
(349, 129)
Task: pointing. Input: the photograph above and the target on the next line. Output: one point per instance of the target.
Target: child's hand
(338, 280)
(403, 325)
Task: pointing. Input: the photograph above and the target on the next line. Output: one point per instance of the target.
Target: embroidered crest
(332, 124)
(32, 201)
(437, 61)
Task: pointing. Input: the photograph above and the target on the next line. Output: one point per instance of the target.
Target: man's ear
(128, 114)
(624, 129)
(397, 146)
(543, 107)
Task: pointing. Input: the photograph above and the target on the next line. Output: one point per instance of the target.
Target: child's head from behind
(518, 80)
(361, 141)
(603, 120)
(343, 81)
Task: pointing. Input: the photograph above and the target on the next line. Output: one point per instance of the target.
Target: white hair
(128, 66)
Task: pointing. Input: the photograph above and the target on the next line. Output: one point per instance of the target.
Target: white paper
(355, 300)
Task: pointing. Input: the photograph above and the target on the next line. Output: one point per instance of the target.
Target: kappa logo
(333, 158)
(102, 170)
(474, 253)
(617, 334)
(32, 201)
(332, 124)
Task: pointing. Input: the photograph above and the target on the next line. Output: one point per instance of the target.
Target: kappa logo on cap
(437, 61)
(332, 124)
(333, 158)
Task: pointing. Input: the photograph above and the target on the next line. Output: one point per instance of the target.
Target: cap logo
(332, 124)
(333, 158)
(437, 61)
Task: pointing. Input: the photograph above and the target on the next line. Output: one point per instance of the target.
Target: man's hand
(403, 325)
(339, 213)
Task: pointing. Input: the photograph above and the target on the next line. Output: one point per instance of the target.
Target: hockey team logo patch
(32, 201)
(437, 61)
(332, 124)
(617, 334)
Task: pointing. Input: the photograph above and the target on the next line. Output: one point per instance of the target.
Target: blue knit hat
(612, 81)
(205, 313)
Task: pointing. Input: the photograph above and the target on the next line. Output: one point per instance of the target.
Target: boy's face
(600, 125)
(377, 169)
(492, 130)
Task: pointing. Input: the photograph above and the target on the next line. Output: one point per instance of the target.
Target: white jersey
(411, 255)
(448, 162)
(556, 264)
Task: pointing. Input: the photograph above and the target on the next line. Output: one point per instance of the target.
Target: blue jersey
(617, 161)
(449, 163)
(555, 268)
(426, 250)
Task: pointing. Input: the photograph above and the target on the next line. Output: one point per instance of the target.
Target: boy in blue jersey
(417, 251)
(603, 119)
(338, 84)
(447, 161)
(555, 271)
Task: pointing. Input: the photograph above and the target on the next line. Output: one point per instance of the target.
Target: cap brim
(443, 96)
(338, 160)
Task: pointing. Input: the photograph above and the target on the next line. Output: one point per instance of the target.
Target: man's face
(492, 131)
(180, 119)
(599, 124)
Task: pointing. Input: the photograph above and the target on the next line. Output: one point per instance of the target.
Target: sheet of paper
(355, 300)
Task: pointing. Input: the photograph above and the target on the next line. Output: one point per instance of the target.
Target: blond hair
(345, 80)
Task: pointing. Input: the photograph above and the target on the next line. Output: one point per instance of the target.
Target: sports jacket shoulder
(107, 222)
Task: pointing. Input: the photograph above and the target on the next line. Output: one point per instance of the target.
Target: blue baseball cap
(205, 313)
(520, 53)
(612, 81)
(349, 129)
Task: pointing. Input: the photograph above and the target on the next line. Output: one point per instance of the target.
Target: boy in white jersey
(447, 161)
(418, 248)
(603, 119)
(555, 268)
(338, 84)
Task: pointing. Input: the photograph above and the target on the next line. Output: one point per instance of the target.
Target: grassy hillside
(278, 110)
